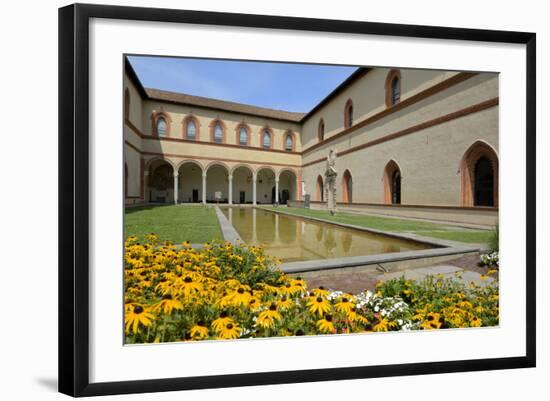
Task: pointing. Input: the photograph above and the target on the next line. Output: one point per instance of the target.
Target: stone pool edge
(445, 249)
(228, 231)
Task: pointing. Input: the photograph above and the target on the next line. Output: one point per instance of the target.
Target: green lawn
(193, 223)
(427, 229)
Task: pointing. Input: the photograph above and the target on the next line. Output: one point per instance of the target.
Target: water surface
(293, 238)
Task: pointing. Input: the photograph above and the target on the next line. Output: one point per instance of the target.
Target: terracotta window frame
(238, 134)
(389, 171)
(185, 123)
(213, 127)
(154, 120)
(393, 74)
(348, 121)
(475, 152)
(289, 134)
(347, 187)
(321, 130)
(271, 137)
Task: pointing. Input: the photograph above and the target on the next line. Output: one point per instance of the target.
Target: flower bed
(226, 292)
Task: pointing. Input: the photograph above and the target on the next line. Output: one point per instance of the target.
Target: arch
(288, 185)
(149, 162)
(186, 161)
(347, 187)
(392, 87)
(392, 183)
(348, 114)
(217, 180)
(243, 176)
(269, 131)
(321, 130)
(289, 134)
(238, 138)
(320, 189)
(265, 182)
(185, 127)
(154, 120)
(471, 193)
(127, 104)
(265, 167)
(213, 125)
(237, 166)
(216, 163)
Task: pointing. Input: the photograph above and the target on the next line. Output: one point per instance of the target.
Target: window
(243, 137)
(266, 140)
(218, 133)
(321, 130)
(483, 183)
(289, 143)
(348, 114)
(162, 127)
(395, 91)
(191, 130)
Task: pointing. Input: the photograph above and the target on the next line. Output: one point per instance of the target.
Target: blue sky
(290, 87)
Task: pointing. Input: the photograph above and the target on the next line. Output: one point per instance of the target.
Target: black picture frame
(74, 198)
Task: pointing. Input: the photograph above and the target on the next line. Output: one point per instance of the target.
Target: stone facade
(412, 137)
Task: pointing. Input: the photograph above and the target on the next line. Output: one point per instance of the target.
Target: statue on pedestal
(330, 182)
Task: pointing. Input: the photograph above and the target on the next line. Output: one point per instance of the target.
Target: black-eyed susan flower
(268, 317)
(344, 305)
(325, 324)
(319, 305)
(285, 302)
(167, 305)
(221, 322)
(199, 331)
(229, 332)
(136, 316)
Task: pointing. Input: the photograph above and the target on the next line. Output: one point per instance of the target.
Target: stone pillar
(230, 189)
(277, 190)
(204, 188)
(175, 187)
(254, 177)
(146, 186)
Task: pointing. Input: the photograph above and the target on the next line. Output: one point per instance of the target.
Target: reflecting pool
(294, 239)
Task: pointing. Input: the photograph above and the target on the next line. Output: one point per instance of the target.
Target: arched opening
(393, 87)
(242, 185)
(161, 182)
(320, 192)
(190, 182)
(347, 187)
(392, 184)
(266, 139)
(217, 131)
(289, 142)
(161, 124)
(348, 114)
(243, 135)
(287, 186)
(479, 176)
(191, 128)
(321, 130)
(217, 184)
(265, 182)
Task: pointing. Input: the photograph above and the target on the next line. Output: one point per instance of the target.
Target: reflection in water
(293, 238)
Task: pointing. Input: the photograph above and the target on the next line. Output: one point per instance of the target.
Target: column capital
(176, 174)
(276, 179)
(204, 174)
(230, 177)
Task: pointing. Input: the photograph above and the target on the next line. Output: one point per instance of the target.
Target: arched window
(218, 133)
(289, 142)
(347, 187)
(266, 140)
(191, 131)
(392, 183)
(320, 189)
(243, 136)
(321, 130)
(393, 87)
(479, 176)
(162, 127)
(348, 114)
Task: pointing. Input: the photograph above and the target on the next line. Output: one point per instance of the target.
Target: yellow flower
(136, 316)
(320, 292)
(344, 305)
(199, 331)
(229, 331)
(268, 317)
(354, 316)
(433, 321)
(475, 322)
(325, 325)
(221, 322)
(318, 305)
(384, 325)
(285, 303)
(167, 305)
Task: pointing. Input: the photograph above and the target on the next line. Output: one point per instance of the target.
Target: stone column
(254, 177)
(204, 188)
(175, 187)
(146, 186)
(276, 190)
(230, 189)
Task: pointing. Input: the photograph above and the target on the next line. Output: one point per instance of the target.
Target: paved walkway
(355, 282)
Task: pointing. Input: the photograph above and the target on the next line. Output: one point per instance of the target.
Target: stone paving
(366, 280)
